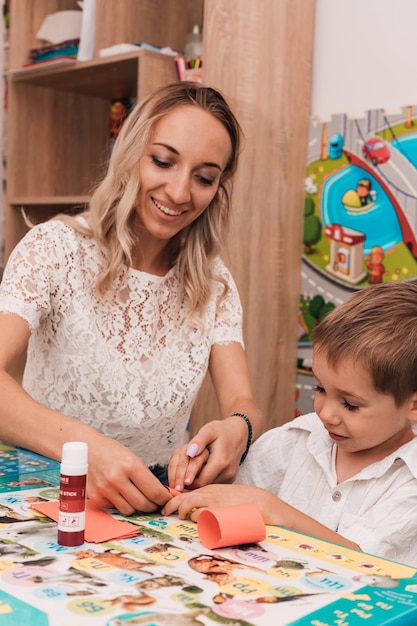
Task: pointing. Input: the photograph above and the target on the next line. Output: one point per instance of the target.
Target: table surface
(164, 576)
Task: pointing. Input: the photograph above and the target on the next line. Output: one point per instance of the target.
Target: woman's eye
(204, 180)
(318, 389)
(159, 162)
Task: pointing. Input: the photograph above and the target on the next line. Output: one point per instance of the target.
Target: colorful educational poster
(360, 216)
(162, 574)
(22, 469)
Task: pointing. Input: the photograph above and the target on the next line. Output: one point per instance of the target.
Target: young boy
(348, 472)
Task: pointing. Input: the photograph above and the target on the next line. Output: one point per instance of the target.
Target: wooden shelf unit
(58, 115)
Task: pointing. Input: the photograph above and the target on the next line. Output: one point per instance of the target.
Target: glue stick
(72, 493)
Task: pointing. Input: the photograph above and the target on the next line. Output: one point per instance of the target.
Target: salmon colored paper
(99, 525)
(230, 526)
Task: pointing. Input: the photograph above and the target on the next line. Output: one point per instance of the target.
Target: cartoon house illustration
(346, 253)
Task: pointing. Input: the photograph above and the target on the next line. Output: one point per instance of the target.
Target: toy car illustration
(376, 151)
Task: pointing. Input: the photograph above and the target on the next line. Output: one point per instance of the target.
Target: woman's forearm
(28, 424)
(248, 407)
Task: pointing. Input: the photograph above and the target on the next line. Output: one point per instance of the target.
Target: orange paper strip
(99, 525)
(230, 526)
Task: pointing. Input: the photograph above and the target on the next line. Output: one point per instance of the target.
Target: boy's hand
(190, 504)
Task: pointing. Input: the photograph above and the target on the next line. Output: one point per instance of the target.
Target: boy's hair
(376, 327)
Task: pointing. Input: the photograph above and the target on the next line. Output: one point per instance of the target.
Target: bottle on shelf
(193, 48)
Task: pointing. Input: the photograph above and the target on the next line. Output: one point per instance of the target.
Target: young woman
(125, 308)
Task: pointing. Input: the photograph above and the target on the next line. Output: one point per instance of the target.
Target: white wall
(365, 57)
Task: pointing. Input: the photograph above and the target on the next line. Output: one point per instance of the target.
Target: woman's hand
(119, 479)
(212, 456)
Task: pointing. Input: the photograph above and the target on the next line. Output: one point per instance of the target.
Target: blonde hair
(112, 208)
(376, 327)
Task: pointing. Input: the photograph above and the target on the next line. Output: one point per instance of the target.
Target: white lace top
(123, 364)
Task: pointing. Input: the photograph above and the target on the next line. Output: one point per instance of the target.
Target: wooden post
(259, 54)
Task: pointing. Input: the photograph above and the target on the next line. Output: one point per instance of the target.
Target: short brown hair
(376, 327)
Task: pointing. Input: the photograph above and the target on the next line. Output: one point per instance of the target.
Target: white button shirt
(376, 508)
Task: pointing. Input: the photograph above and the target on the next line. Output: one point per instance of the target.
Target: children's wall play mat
(360, 216)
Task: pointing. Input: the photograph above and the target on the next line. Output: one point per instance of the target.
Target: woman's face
(180, 170)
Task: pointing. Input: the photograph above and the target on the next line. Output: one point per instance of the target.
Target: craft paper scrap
(231, 526)
(100, 526)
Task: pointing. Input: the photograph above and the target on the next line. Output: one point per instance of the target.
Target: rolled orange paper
(230, 526)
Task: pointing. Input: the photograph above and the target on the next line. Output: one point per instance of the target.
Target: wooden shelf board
(49, 201)
(107, 77)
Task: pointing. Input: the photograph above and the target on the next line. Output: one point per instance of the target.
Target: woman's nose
(179, 188)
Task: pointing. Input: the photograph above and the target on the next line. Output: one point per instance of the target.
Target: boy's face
(357, 417)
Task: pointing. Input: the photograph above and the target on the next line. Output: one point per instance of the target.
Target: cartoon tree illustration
(319, 308)
(312, 226)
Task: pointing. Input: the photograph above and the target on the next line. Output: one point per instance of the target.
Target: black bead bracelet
(250, 434)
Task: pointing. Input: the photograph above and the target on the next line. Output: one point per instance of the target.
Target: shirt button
(336, 496)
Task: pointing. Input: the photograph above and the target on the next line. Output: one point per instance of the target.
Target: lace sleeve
(26, 284)
(228, 326)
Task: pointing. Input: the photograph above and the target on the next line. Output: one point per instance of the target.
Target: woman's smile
(165, 209)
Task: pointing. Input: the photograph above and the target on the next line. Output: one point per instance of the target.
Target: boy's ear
(413, 409)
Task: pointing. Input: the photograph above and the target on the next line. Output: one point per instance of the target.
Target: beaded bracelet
(250, 434)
